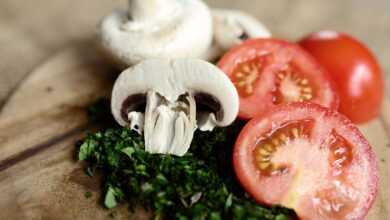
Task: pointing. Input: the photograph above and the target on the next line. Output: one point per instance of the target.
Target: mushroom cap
(186, 34)
(172, 78)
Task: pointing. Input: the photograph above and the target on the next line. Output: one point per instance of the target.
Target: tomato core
(292, 87)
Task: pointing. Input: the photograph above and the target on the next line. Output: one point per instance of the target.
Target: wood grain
(39, 126)
(42, 120)
(50, 101)
(52, 185)
(45, 114)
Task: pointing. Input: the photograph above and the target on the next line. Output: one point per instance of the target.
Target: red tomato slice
(268, 72)
(307, 158)
(356, 72)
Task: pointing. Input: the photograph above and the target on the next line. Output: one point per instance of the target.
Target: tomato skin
(357, 74)
(277, 54)
(271, 191)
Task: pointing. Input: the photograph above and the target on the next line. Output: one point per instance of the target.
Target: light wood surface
(50, 71)
(39, 126)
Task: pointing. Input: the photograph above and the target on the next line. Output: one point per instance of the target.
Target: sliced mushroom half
(170, 99)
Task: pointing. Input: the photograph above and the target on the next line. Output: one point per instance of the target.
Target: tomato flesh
(269, 72)
(308, 158)
(356, 72)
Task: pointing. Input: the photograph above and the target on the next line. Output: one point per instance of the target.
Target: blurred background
(32, 31)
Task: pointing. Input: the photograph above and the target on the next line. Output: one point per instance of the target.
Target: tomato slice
(308, 158)
(269, 72)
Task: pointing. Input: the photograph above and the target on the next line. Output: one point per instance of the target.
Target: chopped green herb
(86, 149)
(110, 200)
(199, 185)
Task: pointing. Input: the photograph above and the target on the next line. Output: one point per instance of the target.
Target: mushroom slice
(231, 27)
(169, 96)
(157, 29)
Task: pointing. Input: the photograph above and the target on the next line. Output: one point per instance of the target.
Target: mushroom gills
(209, 111)
(131, 111)
(136, 120)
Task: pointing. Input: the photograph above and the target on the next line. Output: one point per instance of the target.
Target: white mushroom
(157, 29)
(169, 99)
(174, 29)
(231, 27)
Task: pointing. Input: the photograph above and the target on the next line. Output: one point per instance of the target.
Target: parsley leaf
(112, 195)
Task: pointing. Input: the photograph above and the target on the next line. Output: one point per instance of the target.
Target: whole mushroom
(169, 99)
(174, 29)
(232, 27)
(157, 29)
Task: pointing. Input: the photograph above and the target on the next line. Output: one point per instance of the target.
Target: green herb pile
(199, 185)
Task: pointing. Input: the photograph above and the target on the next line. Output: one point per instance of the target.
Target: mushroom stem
(169, 126)
(146, 10)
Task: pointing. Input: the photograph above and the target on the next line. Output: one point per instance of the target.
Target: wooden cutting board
(40, 123)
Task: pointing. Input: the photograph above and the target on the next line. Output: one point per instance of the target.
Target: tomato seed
(245, 76)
